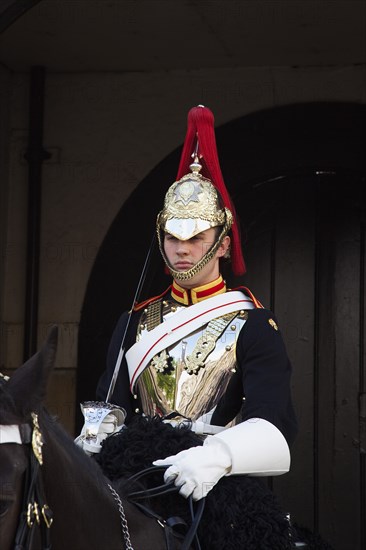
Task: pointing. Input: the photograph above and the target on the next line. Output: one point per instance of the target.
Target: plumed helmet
(198, 199)
(192, 205)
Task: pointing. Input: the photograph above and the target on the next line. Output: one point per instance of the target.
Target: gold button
(228, 348)
(273, 324)
(233, 327)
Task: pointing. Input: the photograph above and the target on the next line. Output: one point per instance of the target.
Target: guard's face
(183, 255)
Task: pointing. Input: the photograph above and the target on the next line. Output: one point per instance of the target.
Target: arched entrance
(297, 176)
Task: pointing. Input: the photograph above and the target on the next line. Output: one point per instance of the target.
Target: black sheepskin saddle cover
(240, 511)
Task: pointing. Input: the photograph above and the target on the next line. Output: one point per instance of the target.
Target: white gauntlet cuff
(256, 448)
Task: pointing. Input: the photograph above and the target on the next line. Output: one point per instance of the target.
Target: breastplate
(191, 376)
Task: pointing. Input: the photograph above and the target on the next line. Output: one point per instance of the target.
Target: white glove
(101, 421)
(254, 447)
(197, 470)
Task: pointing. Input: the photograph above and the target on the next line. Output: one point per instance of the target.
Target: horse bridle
(35, 512)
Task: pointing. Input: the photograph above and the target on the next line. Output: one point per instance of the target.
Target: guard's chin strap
(186, 275)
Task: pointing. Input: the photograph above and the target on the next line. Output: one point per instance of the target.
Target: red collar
(193, 295)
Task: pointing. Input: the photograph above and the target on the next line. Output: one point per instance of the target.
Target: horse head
(49, 488)
(20, 397)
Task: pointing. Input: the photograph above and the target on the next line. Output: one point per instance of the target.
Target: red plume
(201, 127)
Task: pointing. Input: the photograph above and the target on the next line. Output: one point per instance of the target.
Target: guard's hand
(109, 426)
(197, 470)
(101, 421)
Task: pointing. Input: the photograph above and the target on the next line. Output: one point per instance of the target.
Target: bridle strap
(35, 511)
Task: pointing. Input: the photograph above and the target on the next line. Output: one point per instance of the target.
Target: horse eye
(4, 507)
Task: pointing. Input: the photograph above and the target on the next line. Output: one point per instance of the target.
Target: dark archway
(11, 10)
(297, 177)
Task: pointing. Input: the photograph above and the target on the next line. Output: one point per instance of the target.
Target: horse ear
(28, 385)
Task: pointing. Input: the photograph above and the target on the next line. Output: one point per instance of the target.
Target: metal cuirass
(190, 377)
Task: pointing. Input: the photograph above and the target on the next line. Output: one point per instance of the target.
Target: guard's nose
(182, 248)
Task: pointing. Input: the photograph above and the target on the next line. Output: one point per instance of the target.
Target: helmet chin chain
(186, 275)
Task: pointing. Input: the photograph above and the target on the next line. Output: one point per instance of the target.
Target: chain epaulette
(145, 303)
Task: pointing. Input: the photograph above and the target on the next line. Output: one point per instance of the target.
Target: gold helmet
(191, 206)
(195, 203)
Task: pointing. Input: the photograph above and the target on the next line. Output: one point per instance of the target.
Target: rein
(173, 522)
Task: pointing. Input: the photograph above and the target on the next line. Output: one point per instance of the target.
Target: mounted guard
(201, 354)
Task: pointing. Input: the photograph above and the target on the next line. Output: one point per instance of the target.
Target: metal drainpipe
(35, 156)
